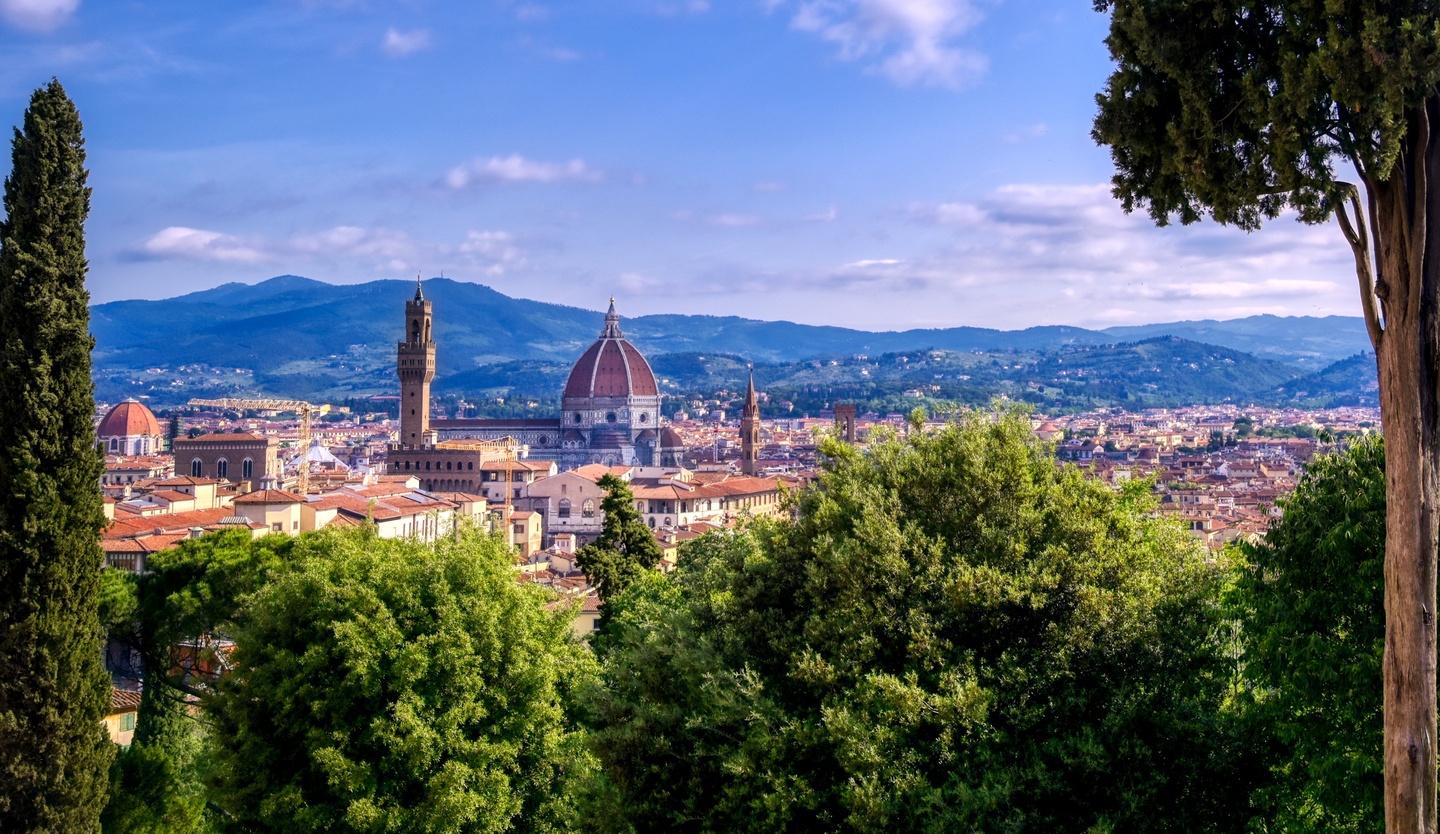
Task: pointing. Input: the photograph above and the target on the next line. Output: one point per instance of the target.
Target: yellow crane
(507, 446)
(302, 478)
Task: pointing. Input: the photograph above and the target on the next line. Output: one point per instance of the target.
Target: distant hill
(294, 336)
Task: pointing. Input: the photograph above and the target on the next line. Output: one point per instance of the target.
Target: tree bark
(1404, 212)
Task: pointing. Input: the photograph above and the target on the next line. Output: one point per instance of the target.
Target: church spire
(750, 430)
(612, 323)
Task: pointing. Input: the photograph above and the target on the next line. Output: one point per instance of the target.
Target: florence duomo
(610, 406)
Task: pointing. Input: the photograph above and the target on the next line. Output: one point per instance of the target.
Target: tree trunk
(1405, 211)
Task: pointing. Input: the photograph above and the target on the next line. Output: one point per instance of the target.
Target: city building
(242, 458)
(610, 411)
(130, 429)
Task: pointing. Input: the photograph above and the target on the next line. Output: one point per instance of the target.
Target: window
(127, 722)
(577, 417)
(667, 523)
(644, 418)
(222, 468)
(114, 444)
(471, 467)
(277, 527)
(610, 417)
(449, 464)
(247, 469)
(519, 529)
(196, 467)
(652, 522)
(588, 508)
(564, 511)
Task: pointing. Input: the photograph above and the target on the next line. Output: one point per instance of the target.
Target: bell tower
(415, 363)
(750, 431)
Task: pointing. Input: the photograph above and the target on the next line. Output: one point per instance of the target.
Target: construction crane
(507, 446)
(302, 477)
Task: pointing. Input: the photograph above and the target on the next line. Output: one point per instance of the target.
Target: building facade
(610, 412)
(241, 458)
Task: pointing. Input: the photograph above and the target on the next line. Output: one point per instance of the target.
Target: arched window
(652, 522)
(471, 467)
(587, 510)
(610, 417)
(449, 464)
(196, 468)
(247, 469)
(564, 510)
(427, 466)
(222, 468)
(644, 418)
(114, 444)
(577, 417)
(667, 523)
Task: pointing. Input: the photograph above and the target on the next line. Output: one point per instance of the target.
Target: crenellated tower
(750, 431)
(415, 363)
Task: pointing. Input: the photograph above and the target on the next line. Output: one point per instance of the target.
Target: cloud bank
(518, 169)
(37, 15)
(490, 253)
(911, 42)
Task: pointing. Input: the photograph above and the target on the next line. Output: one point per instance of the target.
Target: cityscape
(856, 416)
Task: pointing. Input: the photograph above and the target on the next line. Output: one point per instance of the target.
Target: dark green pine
(54, 692)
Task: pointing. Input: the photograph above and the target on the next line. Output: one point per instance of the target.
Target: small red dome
(129, 419)
(611, 367)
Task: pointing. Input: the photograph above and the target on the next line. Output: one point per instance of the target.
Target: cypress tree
(54, 755)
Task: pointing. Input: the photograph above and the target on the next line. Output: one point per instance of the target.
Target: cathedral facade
(610, 406)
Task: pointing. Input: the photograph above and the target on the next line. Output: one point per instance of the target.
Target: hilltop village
(1220, 469)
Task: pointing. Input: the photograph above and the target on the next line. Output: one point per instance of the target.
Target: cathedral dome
(611, 367)
(129, 419)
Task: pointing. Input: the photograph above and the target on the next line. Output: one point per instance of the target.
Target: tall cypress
(54, 755)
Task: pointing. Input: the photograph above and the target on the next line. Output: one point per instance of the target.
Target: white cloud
(912, 42)
(386, 250)
(516, 168)
(37, 15)
(493, 252)
(199, 245)
(398, 44)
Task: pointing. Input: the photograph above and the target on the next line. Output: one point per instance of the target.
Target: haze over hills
(295, 336)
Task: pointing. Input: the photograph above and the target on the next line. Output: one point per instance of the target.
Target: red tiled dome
(611, 367)
(129, 419)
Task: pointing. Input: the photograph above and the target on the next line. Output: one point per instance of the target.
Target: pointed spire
(612, 323)
(752, 402)
(419, 293)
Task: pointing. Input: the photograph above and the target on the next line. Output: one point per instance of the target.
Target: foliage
(954, 635)
(155, 786)
(390, 685)
(626, 546)
(1313, 620)
(54, 754)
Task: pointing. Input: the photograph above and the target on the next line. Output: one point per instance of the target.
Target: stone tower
(416, 365)
(750, 432)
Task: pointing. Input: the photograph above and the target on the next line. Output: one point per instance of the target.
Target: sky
(881, 164)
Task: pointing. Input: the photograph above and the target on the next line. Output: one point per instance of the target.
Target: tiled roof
(123, 700)
(269, 496)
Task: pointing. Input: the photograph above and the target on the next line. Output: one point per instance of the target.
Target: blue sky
(881, 164)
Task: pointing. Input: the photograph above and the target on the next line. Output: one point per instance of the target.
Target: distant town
(258, 466)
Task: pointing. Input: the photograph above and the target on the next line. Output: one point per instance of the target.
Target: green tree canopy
(1240, 109)
(390, 685)
(955, 635)
(54, 754)
(626, 546)
(1311, 602)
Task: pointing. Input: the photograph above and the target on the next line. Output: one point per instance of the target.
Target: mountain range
(293, 336)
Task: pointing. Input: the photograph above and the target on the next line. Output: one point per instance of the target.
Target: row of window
(449, 465)
(587, 509)
(222, 469)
